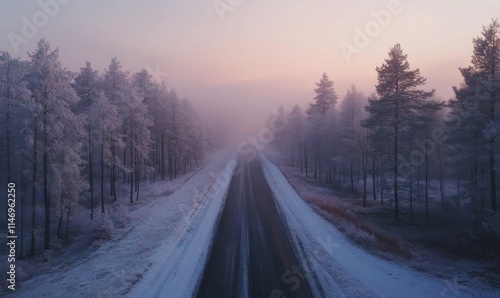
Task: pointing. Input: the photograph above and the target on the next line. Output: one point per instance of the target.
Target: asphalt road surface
(251, 255)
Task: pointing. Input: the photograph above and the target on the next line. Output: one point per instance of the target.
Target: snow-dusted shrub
(46, 256)
(120, 214)
(349, 213)
(491, 223)
(359, 236)
(24, 270)
(161, 189)
(103, 226)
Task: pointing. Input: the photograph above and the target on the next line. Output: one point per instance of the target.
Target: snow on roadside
(335, 267)
(178, 267)
(157, 234)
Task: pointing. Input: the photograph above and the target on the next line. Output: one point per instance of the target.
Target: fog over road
(251, 255)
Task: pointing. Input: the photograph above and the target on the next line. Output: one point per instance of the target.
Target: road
(251, 255)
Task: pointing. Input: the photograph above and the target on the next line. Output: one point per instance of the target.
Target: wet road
(251, 255)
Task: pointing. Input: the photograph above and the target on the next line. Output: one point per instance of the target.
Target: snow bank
(335, 267)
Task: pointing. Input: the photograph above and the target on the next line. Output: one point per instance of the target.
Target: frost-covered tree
(153, 98)
(324, 101)
(105, 118)
(173, 110)
(325, 95)
(295, 136)
(188, 127)
(116, 87)
(63, 129)
(14, 103)
(86, 85)
(15, 106)
(400, 98)
(139, 137)
(60, 130)
(353, 135)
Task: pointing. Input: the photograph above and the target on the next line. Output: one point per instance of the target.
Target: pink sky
(262, 54)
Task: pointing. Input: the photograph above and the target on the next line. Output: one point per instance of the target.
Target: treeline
(399, 139)
(68, 138)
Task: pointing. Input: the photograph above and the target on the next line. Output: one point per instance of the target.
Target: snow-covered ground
(160, 253)
(163, 249)
(335, 267)
(178, 266)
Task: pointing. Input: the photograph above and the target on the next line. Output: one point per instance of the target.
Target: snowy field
(171, 234)
(335, 267)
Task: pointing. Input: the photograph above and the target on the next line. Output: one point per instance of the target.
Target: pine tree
(105, 117)
(60, 129)
(14, 103)
(139, 125)
(325, 95)
(352, 134)
(116, 87)
(475, 109)
(152, 95)
(86, 86)
(296, 134)
(172, 133)
(324, 101)
(399, 102)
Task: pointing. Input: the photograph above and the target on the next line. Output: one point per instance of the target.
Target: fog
(238, 60)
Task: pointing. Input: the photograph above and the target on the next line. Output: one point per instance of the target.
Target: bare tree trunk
(300, 158)
(125, 159)
(493, 179)
(396, 198)
(315, 166)
(319, 169)
(162, 157)
(382, 186)
(67, 225)
(365, 175)
(138, 184)
(46, 178)
(33, 190)
(91, 173)
(305, 162)
(426, 181)
(132, 172)
(441, 179)
(374, 180)
(492, 170)
(59, 224)
(102, 176)
(352, 177)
